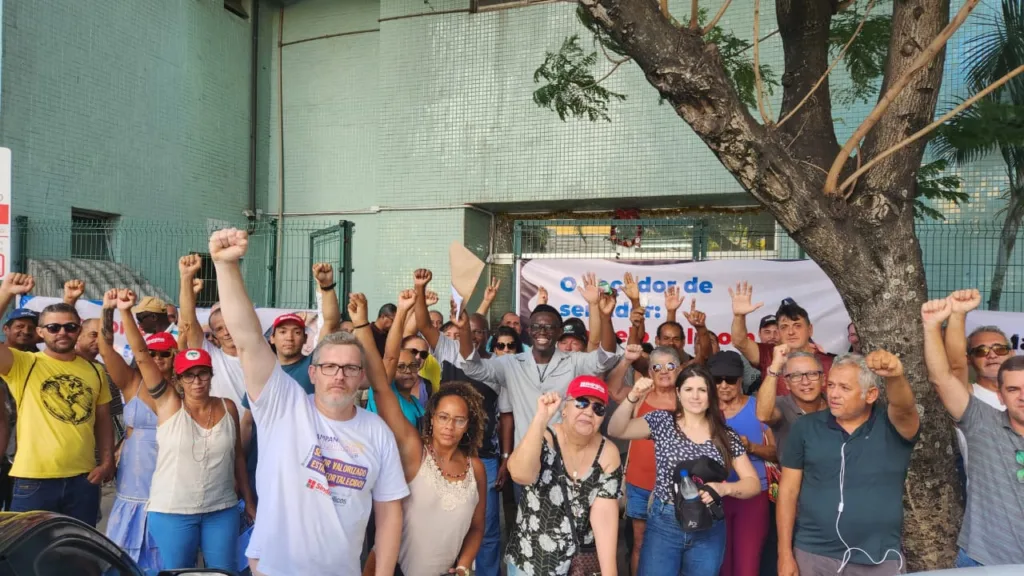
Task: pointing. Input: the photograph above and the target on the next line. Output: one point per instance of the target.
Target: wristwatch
(504, 455)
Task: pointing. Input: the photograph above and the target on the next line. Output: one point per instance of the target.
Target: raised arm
(766, 409)
(188, 323)
(703, 347)
(623, 425)
(73, 290)
(961, 302)
(617, 388)
(741, 306)
(157, 392)
(121, 374)
(421, 278)
(14, 284)
(524, 464)
(410, 447)
(951, 391)
(323, 273)
(637, 325)
(902, 408)
(393, 345)
(490, 293)
(673, 300)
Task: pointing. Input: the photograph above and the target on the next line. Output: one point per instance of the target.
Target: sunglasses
(204, 376)
(69, 328)
(504, 346)
(422, 354)
(599, 408)
(983, 350)
(542, 328)
(1020, 462)
(666, 367)
(160, 353)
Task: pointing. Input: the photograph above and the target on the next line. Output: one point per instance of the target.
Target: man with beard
(326, 462)
(64, 421)
(20, 334)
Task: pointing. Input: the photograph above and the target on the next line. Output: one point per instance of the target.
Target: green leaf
(570, 88)
(865, 59)
(934, 184)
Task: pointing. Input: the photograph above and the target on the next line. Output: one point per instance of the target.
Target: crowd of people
(385, 449)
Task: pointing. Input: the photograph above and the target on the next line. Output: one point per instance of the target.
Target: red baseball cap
(161, 342)
(588, 386)
(290, 317)
(190, 359)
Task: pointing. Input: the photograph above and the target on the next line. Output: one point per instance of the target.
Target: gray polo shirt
(993, 529)
(523, 381)
(790, 411)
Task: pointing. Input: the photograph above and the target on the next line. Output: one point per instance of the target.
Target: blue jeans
(488, 558)
(637, 500)
(74, 496)
(668, 551)
(965, 561)
(180, 536)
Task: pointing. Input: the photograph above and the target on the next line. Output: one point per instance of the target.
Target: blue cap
(22, 313)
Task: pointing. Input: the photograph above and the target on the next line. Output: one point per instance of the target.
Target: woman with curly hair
(447, 482)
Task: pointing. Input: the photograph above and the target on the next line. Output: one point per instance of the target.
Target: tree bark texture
(865, 244)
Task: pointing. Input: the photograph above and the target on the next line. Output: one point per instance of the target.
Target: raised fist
(229, 245)
(190, 265)
(673, 299)
(935, 312)
(636, 316)
(885, 364)
(73, 289)
(633, 352)
(963, 301)
(431, 298)
(357, 308)
(324, 274)
(779, 354)
(491, 292)
(695, 317)
(125, 300)
(542, 295)
(643, 386)
(406, 299)
(197, 286)
(18, 284)
(110, 299)
(422, 277)
(741, 304)
(547, 405)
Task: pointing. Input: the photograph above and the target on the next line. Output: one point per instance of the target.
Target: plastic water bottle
(687, 489)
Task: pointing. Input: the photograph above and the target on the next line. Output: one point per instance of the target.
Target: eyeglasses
(444, 419)
(666, 367)
(422, 354)
(160, 353)
(69, 328)
(548, 328)
(795, 377)
(404, 369)
(983, 350)
(1020, 462)
(204, 376)
(504, 346)
(599, 408)
(349, 370)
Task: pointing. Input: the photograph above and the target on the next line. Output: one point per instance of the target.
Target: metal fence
(956, 255)
(143, 256)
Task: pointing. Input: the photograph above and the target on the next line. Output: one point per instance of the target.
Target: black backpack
(694, 515)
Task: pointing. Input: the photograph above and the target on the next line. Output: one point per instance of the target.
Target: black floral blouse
(542, 542)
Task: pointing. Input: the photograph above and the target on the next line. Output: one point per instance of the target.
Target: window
(238, 7)
(207, 297)
(92, 235)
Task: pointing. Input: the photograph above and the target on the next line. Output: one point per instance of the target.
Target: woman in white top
(443, 517)
(192, 501)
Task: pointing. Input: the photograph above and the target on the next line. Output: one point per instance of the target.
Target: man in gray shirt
(804, 374)
(993, 527)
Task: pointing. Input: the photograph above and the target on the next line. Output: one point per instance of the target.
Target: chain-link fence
(143, 256)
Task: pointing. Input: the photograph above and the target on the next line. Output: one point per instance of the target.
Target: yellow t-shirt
(431, 372)
(57, 403)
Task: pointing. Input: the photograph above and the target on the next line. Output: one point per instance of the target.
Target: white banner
(1011, 323)
(707, 282)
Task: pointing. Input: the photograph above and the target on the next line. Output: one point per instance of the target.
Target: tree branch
(612, 71)
(920, 133)
(664, 8)
(694, 14)
(762, 103)
(718, 16)
(926, 56)
(833, 65)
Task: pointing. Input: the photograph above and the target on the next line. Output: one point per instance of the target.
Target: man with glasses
(992, 532)
(803, 373)
(63, 404)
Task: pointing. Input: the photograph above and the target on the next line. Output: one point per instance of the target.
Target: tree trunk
(1007, 241)
(865, 244)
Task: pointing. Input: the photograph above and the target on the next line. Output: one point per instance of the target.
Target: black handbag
(695, 515)
(584, 562)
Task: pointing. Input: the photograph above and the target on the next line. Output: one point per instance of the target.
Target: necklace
(440, 466)
(205, 434)
(579, 458)
(450, 494)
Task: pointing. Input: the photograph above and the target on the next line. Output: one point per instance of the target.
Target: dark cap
(727, 365)
(573, 327)
(768, 321)
(22, 314)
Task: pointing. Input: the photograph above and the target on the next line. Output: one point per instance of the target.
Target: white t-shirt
(228, 381)
(317, 481)
(988, 397)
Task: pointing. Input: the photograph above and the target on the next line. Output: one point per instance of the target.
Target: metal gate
(334, 246)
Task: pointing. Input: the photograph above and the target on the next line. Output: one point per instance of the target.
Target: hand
(110, 299)
(787, 565)
(431, 298)
(18, 284)
(706, 496)
(73, 290)
(422, 277)
(633, 352)
(637, 315)
(228, 245)
(885, 364)
(542, 295)
(190, 265)
(589, 290)
(741, 305)
(607, 305)
(460, 320)
(250, 511)
(125, 300)
(197, 286)
(935, 312)
(357, 308)
(695, 317)
(745, 442)
(963, 301)
(547, 406)
(630, 288)
(779, 354)
(406, 300)
(324, 274)
(102, 473)
(673, 299)
(491, 292)
(642, 386)
(503, 476)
